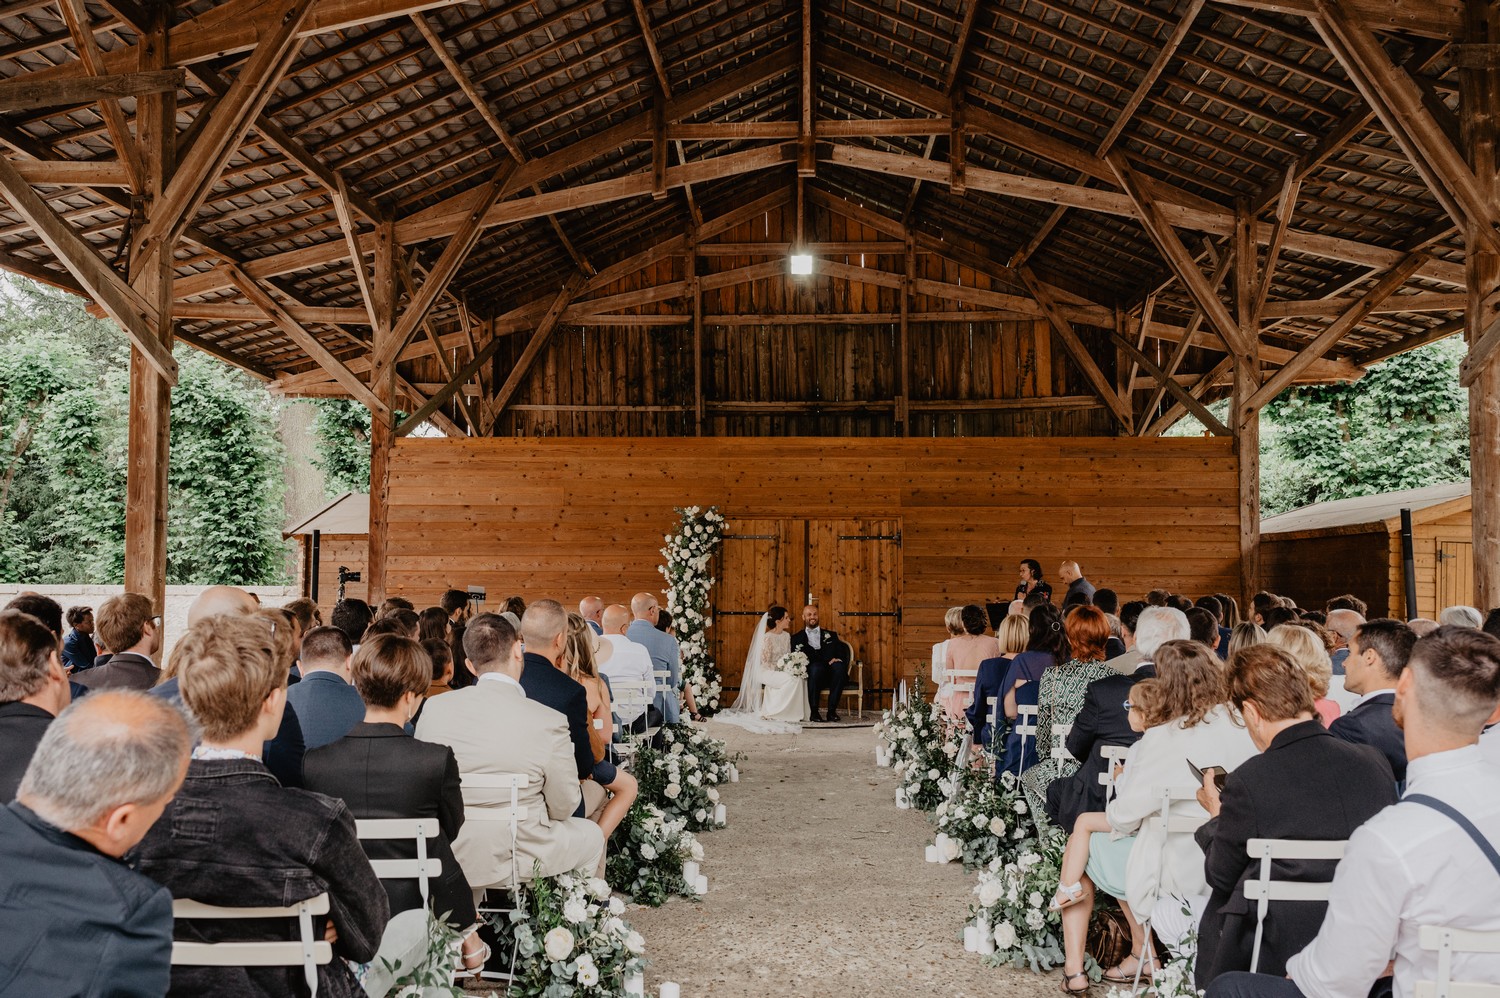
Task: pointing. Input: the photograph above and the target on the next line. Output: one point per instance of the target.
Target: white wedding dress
(770, 702)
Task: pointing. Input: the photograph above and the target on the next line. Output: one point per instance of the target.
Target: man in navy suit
(544, 629)
(1377, 654)
(827, 662)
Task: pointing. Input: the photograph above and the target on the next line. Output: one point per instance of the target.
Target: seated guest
(1231, 616)
(1417, 863)
(1276, 616)
(433, 625)
(78, 647)
(352, 616)
(1460, 616)
(1046, 645)
(233, 836)
(591, 609)
(580, 661)
(74, 919)
(1308, 650)
(456, 603)
(1015, 632)
(33, 691)
(382, 772)
(50, 613)
(1243, 635)
(1203, 627)
(327, 706)
(1342, 622)
(1128, 660)
(630, 662)
(1422, 626)
(1214, 606)
(544, 631)
(965, 651)
(288, 639)
(1138, 862)
(665, 655)
(129, 627)
(441, 654)
(391, 604)
(1378, 651)
(1305, 784)
(953, 625)
(494, 728)
(1104, 720)
(220, 600)
(307, 613)
(407, 619)
(1060, 697)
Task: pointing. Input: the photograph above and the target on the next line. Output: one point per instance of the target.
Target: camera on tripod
(345, 576)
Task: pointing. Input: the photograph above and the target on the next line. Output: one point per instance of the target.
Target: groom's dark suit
(827, 668)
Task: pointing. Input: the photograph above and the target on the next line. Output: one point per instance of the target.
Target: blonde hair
(225, 668)
(1015, 632)
(578, 653)
(1308, 651)
(1245, 634)
(954, 620)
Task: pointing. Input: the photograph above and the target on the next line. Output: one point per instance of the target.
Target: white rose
(1005, 935)
(997, 826)
(979, 821)
(713, 795)
(700, 815)
(673, 791)
(1034, 919)
(599, 888)
(616, 906)
(635, 942)
(696, 849)
(558, 943)
(933, 774)
(588, 974)
(1020, 807)
(949, 849)
(1035, 900)
(990, 893)
(648, 852)
(575, 911)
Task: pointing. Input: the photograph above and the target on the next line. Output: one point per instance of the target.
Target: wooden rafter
(92, 58)
(24, 94)
(1170, 384)
(1076, 349)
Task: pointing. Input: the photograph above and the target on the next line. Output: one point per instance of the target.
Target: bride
(770, 701)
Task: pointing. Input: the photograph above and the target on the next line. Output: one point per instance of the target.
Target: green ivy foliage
(64, 389)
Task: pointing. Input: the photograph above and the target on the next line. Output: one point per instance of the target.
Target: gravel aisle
(817, 887)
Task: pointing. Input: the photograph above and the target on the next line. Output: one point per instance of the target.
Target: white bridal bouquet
(793, 663)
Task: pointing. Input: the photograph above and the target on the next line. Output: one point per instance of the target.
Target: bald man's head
(616, 619)
(1070, 572)
(106, 768)
(644, 606)
(216, 600)
(590, 607)
(1344, 623)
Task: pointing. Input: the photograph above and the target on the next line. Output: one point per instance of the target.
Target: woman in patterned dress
(1060, 698)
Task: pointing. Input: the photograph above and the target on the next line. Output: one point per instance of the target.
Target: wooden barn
(910, 289)
(1356, 546)
(333, 538)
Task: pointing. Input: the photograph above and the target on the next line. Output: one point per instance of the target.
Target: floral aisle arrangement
(794, 664)
(646, 855)
(571, 941)
(689, 554)
(979, 822)
(678, 780)
(929, 778)
(896, 729)
(714, 761)
(1012, 907)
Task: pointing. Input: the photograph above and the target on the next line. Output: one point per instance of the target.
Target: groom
(827, 662)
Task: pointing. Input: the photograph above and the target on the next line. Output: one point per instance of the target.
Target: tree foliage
(63, 440)
(342, 429)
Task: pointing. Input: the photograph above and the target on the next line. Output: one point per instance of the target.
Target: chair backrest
(308, 951)
(422, 869)
(960, 677)
(1447, 942)
(1263, 889)
(1060, 742)
(1025, 725)
(663, 678)
(1174, 823)
(514, 813)
(633, 693)
(1112, 756)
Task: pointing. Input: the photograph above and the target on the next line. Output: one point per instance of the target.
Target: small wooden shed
(1354, 546)
(336, 535)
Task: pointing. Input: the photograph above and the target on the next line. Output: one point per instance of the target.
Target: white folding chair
(1171, 824)
(308, 951)
(423, 869)
(1447, 942)
(1112, 755)
(664, 687)
(502, 785)
(1263, 890)
(635, 693)
(1060, 742)
(1024, 728)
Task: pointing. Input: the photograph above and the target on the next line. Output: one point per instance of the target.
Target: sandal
(1067, 894)
(475, 959)
(1117, 974)
(1063, 984)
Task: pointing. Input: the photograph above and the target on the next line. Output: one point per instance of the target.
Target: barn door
(761, 563)
(854, 574)
(1455, 573)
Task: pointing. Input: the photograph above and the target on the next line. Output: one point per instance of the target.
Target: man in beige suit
(494, 729)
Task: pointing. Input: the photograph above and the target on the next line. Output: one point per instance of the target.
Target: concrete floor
(817, 887)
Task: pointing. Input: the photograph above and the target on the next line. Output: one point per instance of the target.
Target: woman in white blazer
(1138, 861)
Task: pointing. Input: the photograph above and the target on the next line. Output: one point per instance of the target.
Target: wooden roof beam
(1077, 350)
(92, 59)
(951, 87)
(24, 94)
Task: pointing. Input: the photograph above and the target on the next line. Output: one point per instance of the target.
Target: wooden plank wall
(575, 517)
(1425, 537)
(1312, 569)
(587, 371)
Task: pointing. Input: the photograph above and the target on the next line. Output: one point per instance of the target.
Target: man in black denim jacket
(233, 836)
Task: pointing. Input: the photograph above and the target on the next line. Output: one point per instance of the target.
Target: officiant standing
(827, 662)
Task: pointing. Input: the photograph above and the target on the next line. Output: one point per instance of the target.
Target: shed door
(1455, 573)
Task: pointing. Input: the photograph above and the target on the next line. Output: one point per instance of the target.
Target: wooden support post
(382, 430)
(957, 152)
(697, 286)
(149, 433)
(659, 147)
(807, 161)
(903, 342)
(1479, 107)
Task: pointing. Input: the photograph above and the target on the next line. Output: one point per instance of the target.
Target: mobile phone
(1219, 774)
